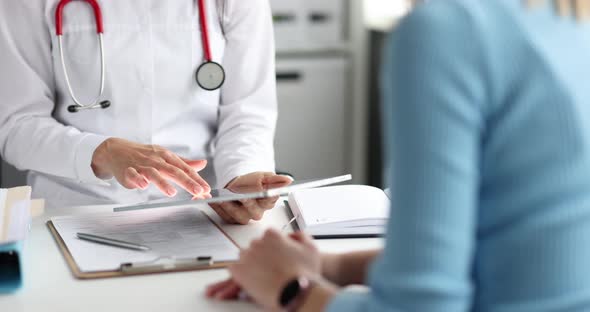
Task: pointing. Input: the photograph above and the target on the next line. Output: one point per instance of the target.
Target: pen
(111, 242)
(289, 223)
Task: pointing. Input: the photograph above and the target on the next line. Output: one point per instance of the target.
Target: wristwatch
(294, 294)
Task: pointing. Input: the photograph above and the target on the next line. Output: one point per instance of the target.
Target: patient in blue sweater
(489, 136)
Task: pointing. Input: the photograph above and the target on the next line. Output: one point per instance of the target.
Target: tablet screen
(241, 193)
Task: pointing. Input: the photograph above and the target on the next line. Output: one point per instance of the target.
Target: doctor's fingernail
(171, 191)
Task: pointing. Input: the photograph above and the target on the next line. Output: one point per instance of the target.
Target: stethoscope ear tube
(210, 75)
(99, 30)
(76, 108)
(59, 16)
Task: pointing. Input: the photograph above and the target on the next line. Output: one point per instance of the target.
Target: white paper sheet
(20, 223)
(174, 232)
(2, 208)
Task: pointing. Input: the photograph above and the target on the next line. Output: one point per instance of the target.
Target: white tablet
(225, 195)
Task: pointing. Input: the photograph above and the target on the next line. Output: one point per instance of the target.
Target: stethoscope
(210, 75)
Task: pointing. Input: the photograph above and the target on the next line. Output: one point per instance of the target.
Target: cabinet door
(311, 139)
(304, 25)
(326, 23)
(289, 24)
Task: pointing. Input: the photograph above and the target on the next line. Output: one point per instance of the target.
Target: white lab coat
(153, 49)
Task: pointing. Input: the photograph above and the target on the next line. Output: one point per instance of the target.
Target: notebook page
(353, 205)
(2, 208)
(20, 223)
(175, 232)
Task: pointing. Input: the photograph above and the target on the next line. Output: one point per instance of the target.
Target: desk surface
(50, 286)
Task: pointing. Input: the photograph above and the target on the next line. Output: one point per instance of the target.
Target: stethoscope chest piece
(210, 76)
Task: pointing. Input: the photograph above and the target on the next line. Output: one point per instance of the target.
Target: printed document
(176, 233)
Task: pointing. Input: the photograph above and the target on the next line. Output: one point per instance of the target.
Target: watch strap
(306, 286)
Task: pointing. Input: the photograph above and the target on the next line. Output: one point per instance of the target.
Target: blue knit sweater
(489, 104)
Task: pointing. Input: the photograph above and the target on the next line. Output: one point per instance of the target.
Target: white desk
(50, 286)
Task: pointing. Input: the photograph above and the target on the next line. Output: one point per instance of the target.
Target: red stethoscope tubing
(100, 28)
(78, 106)
(210, 75)
(59, 16)
(204, 31)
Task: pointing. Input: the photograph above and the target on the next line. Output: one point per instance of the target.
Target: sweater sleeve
(434, 98)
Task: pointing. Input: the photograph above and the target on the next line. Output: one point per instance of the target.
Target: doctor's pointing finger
(136, 166)
(113, 102)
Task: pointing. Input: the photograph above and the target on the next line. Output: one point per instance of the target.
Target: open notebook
(341, 211)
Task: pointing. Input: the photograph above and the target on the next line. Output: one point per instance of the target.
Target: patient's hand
(267, 265)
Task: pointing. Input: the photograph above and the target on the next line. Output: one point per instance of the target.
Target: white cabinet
(311, 138)
(322, 73)
(309, 25)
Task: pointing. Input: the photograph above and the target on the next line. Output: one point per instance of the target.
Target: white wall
(382, 14)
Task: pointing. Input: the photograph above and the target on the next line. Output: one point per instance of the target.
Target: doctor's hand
(135, 166)
(241, 212)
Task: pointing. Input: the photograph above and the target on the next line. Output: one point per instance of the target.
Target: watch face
(290, 292)
(9, 266)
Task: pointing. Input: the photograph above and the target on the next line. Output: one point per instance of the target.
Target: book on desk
(343, 211)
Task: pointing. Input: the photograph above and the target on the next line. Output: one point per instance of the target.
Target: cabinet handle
(318, 17)
(283, 17)
(288, 76)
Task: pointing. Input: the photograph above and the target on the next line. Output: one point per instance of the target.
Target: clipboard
(162, 265)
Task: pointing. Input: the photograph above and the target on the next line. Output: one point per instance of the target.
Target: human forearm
(248, 109)
(244, 141)
(319, 297)
(30, 137)
(41, 144)
(349, 268)
(236, 157)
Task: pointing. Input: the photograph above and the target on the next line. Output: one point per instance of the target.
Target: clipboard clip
(165, 264)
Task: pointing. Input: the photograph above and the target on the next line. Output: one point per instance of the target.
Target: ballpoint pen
(111, 242)
(288, 223)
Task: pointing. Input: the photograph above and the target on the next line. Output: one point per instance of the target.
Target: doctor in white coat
(161, 128)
